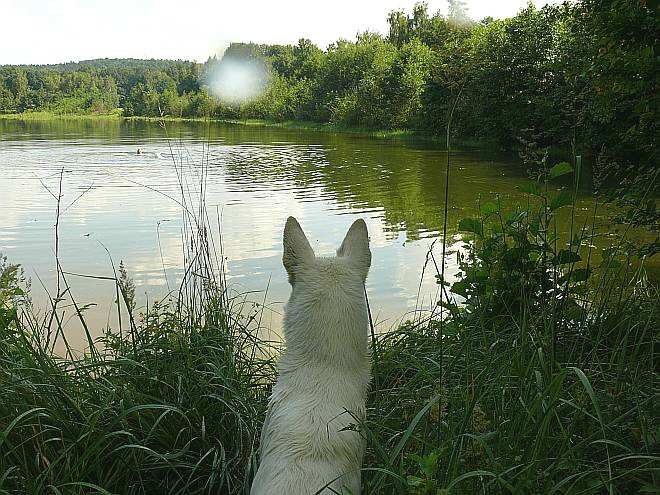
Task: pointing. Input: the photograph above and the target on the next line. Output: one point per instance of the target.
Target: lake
(120, 204)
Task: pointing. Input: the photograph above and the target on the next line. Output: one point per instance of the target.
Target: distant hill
(107, 63)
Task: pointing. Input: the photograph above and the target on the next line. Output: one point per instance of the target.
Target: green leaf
(429, 463)
(564, 198)
(530, 188)
(565, 257)
(471, 225)
(515, 217)
(590, 391)
(460, 288)
(562, 168)
(410, 429)
(516, 255)
(489, 208)
(5, 434)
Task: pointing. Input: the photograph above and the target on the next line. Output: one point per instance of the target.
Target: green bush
(534, 376)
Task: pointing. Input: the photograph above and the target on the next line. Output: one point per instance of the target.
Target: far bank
(393, 135)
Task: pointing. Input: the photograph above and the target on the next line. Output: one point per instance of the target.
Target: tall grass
(542, 380)
(519, 412)
(171, 401)
(173, 409)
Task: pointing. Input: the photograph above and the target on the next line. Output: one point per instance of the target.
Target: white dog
(308, 440)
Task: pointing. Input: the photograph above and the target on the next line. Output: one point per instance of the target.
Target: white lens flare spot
(238, 81)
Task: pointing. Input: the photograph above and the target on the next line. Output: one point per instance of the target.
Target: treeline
(573, 75)
(132, 87)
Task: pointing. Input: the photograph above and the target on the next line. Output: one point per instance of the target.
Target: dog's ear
(296, 247)
(355, 247)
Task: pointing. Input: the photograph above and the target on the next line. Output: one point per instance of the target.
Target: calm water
(117, 200)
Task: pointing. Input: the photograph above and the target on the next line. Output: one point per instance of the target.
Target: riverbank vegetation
(46, 116)
(534, 374)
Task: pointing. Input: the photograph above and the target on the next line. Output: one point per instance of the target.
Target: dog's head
(326, 282)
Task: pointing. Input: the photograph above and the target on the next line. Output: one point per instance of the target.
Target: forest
(575, 76)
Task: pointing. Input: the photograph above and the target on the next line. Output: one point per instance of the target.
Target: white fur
(308, 439)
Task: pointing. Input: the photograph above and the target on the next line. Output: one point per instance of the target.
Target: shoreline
(389, 135)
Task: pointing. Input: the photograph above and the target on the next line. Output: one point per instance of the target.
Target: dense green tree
(17, 83)
(621, 114)
(399, 31)
(7, 102)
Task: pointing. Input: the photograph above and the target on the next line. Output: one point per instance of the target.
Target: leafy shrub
(524, 381)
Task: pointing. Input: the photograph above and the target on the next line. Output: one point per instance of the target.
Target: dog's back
(308, 440)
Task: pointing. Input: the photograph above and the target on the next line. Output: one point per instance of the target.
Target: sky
(53, 31)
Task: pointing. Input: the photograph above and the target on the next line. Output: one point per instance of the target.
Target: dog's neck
(337, 339)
